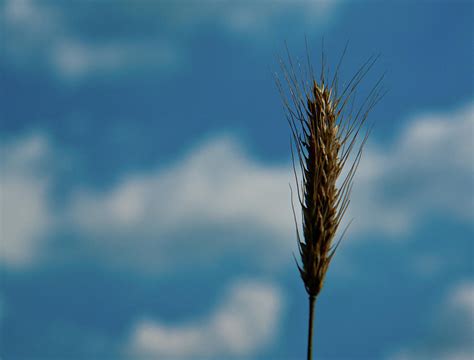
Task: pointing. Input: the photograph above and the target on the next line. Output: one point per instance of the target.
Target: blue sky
(145, 207)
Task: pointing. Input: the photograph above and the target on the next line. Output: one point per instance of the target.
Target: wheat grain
(325, 132)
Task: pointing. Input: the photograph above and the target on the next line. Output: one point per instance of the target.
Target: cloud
(428, 265)
(256, 18)
(462, 300)
(25, 212)
(218, 187)
(428, 170)
(216, 199)
(455, 355)
(50, 34)
(245, 322)
(218, 202)
(44, 32)
(452, 335)
(75, 59)
(216, 184)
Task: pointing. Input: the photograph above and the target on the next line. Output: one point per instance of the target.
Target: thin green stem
(310, 326)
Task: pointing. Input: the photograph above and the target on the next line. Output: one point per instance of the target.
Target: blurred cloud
(74, 59)
(429, 265)
(453, 330)
(462, 299)
(256, 18)
(245, 322)
(43, 33)
(428, 169)
(25, 210)
(217, 201)
(47, 33)
(215, 185)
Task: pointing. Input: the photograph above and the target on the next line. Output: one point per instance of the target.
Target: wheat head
(326, 129)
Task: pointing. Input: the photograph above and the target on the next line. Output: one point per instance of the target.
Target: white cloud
(453, 336)
(455, 355)
(35, 20)
(245, 322)
(218, 202)
(215, 199)
(462, 300)
(75, 59)
(215, 184)
(32, 30)
(429, 169)
(258, 18)
(233, 204)
(25, 213)
(45, 33)
(39, 31)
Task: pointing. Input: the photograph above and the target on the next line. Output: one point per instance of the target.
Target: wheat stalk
(325, 131)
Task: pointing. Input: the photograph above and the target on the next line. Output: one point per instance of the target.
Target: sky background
(145, 206)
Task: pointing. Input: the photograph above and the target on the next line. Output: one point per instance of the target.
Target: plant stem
(310, 326)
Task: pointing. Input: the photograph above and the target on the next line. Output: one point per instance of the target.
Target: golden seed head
(323, 139)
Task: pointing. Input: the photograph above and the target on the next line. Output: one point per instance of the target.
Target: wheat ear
(325, 131)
